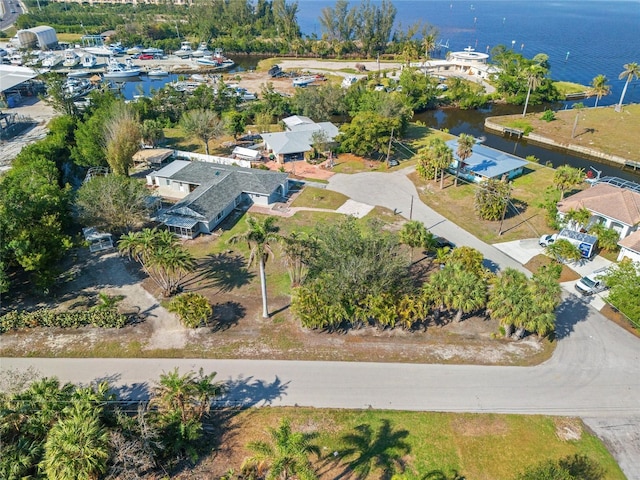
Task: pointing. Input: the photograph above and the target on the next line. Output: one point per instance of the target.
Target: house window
(167, 181)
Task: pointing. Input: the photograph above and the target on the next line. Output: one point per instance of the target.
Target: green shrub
(548, 116)
(48, 318)
(521, 125)
(192, 308)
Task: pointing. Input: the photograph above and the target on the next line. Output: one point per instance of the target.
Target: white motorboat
(134, 50)
(51, 60)
(185, 50)
(94, 44)
(78, 73)
(89, 60)
(16, 59)
(157, 72)
(202, 51)
(153, 51)
(71, 58)
(78, 87)
(304, 80)
(216, 60)
(116, 69)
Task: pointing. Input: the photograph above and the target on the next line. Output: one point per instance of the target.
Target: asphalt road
(594, 372)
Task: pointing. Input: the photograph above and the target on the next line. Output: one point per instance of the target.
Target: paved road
(594, 372)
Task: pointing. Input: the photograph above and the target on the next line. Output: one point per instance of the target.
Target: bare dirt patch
(475, 426)
(568, 428)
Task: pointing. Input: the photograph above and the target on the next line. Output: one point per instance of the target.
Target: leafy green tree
(367, 135)
(469, 259)
(509, 299)
(463, 151)
(235, 122)
(77, 445)
(286, 454)
(161, 256)
(491, 199)
(90, 146)
(204, 124)
(576, 467)
(599, 88)
(608, 238)
(414, 234)
(436, 157)
(57, 96)
(578, 219)
(192, 308)
(113, 202)
(259, 236)
(563, 251)
(624, 283)
(545, 295)
(631, 71)
(319, 103)
(151, 132)
(122, 135)
(566, 177)
(297, 248)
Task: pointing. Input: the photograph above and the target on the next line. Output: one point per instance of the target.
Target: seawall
(573, 148)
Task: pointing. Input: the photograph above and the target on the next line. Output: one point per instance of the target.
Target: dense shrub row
(48, 318)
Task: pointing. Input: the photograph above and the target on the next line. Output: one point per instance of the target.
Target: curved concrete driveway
(594, 373)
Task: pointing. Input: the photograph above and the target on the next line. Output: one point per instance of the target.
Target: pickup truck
(592, 283)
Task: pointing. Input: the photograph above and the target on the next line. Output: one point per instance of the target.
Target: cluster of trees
(624, 283)
(358, 276)
(64, 431)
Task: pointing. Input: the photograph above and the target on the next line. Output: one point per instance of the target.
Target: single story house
(209, 192)
(297, 140)
(630, 247)
(615, 207)
(485, 163)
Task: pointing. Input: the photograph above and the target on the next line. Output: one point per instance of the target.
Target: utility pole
(411, 209)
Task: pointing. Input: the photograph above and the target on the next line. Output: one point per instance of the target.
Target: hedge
(16, 320)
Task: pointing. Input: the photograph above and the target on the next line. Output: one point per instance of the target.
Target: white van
(592, 283)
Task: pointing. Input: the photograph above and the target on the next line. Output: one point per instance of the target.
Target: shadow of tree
(223, 271)
(440, 475)
(571, 311)
(249, 392)
(367, 451)
(226, 315)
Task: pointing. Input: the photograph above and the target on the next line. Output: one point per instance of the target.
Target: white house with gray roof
(209, 192)
(297, 140)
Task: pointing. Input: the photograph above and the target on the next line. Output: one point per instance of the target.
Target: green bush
(16, 320)
(548, 116)
(521, 125)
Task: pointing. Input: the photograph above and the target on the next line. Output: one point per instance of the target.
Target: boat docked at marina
(217, 60)
(157, 72)
(116, 69)
(88, 60)
(51, 60)
(78, 87)
(94, 44)
(71, 58)
(185, 50)
(202, 51)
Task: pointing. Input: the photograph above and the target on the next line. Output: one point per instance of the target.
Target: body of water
(582, 38)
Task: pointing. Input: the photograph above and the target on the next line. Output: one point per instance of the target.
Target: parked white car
(547, 240)
(593, 283)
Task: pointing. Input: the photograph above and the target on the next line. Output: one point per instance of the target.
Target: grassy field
(602, 129)
(479, 447)
(568, 87)
(457, 204)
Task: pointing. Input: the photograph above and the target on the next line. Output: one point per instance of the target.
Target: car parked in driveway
(546, 240)
(593, 283)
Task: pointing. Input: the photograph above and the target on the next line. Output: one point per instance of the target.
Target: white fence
(179, 154)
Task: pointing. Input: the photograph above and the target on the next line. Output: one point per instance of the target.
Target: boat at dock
(202, 51)
(51, 60)
(78, 73)
(157, 72)
(71, 58)
(89, 60)
(116, 69)
(216, 61)
(185, 50)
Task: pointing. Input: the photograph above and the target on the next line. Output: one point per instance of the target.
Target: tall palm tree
(443, 157)
(77, 445)
(630, 71)
(534, 76)
(509, 299)
(467, 293)
(286, 455)
(258, 236)
(464, 151)
(413, 234)
(599, 88)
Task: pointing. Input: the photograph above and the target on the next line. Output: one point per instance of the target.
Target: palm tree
(258, 236)
(563, 251)
(192, 308)
(578, 218)
(599, 88)
(464, 151)
(467, 293)
(630, 71)
(77, 445)
(534, 76)
(413, 234)
(567, 176)
(509, 299)
(161, 256)
(286, 455)
(297, 249)
(428, 44)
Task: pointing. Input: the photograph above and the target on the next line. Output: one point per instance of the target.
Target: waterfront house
(208, 192)
(485, 163)
(297, 140)
(630, 247)
(611, 204)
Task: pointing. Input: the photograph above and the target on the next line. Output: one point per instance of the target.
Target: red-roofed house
(615, 207)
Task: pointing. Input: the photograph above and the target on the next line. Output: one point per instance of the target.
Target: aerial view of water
(582, 38)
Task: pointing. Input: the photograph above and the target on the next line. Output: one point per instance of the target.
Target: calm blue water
(582, 38)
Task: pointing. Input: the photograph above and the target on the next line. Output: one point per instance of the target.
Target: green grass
(319, 198)
(568, 87)
(476, 446)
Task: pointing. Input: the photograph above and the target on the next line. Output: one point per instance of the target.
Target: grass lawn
(476, 446)
(569, 87)
(319, 198)
(457, 204)
(601, 129)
